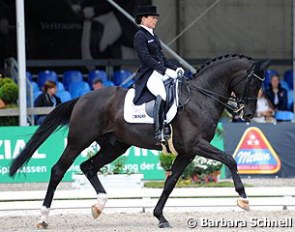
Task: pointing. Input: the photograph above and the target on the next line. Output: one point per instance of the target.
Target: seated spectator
(264, 109)
(97, 84)
(47, 98)
(277, 95)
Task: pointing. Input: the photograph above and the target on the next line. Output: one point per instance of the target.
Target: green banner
(13, 140)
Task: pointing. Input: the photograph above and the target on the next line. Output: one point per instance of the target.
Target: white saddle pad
(137, 113)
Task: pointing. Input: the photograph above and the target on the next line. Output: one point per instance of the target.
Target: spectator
(264, 109)
(97, 84)
(47, 98)
(276, 94)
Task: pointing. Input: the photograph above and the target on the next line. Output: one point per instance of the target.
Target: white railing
(30, 110)
(259, 198)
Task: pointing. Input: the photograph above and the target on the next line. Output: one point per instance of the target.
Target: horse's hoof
(244, 204)
(95, 211)
(42, 225)
(164, 225)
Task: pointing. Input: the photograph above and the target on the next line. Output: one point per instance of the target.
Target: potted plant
(206, 170)
(8, 98)
(199, 170)
(166, 161)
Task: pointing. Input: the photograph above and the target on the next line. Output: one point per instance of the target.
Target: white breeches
(155, 84)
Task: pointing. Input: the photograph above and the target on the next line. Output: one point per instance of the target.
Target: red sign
(255, 155)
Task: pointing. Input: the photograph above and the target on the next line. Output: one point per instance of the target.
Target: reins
(224, 100)
(232, 109)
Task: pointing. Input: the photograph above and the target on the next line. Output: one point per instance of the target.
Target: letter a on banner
(255, 155)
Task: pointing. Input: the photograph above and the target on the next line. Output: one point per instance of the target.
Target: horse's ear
(264, 64)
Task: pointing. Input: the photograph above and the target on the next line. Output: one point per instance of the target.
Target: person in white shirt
(264, 109)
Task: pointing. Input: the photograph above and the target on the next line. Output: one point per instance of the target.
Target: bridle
(243, 101)
(240, 102)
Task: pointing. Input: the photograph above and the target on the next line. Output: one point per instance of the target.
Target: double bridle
(239, 102)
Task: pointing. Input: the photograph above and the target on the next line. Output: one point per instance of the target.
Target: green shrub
(9, 121)
(166, 161)
(9, 92)
(5, 80)
(199, 170)
(189, 171)
(9, 95)
(119, 165)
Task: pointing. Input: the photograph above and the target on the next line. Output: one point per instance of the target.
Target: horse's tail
(60, 116)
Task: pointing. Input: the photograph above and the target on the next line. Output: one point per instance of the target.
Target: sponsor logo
(255, 155)
(139, 116)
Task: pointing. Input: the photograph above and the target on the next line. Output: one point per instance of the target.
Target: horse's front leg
(205, 149)
(178, 166)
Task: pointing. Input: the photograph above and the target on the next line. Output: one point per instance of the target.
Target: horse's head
(246, 89)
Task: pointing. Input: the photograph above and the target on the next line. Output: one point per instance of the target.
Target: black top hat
(146, 11)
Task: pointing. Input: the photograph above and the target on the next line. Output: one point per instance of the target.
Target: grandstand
(55, 59)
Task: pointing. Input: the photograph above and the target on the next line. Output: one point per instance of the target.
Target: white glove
(171, 73)
(180, 71)
(88, 12)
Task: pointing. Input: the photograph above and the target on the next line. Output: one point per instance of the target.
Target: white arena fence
(260, 198)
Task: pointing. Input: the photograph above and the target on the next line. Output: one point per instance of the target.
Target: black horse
(98, 116)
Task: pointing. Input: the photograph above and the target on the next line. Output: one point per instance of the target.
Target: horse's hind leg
(57, 173)
(107, 153)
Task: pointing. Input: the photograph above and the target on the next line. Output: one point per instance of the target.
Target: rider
(154, 70)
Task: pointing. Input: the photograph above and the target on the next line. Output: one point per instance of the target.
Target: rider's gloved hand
(171, 73)
(180, 71)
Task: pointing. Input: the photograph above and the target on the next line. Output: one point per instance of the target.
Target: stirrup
(161, 139)
(164, 142)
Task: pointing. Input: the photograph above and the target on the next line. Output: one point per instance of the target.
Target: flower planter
(115, 181)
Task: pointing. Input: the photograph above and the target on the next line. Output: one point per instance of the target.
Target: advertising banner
(13, 139)
(262, 149)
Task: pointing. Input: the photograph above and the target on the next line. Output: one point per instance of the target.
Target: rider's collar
(150, 30)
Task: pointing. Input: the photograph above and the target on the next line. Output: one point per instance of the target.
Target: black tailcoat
(150, 54)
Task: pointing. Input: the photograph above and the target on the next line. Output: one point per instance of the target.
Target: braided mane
(203, 66)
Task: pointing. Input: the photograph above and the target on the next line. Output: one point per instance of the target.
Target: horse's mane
(220, 58)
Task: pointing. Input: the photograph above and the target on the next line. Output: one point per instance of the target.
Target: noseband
(241, 102)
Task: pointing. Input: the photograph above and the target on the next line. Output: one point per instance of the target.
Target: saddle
(144, 113)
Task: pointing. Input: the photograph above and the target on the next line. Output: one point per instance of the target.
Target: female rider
(154, 69)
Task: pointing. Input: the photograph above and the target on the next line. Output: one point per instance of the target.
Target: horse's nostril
(248, 116)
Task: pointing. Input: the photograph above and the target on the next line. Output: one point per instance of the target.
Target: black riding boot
(158, 119)
(166, 127)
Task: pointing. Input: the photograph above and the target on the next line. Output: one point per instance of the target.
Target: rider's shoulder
(140, 35)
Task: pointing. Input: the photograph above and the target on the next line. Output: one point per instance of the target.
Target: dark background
(54, 29)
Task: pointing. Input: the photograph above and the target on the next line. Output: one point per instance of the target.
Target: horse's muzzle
(248, 116)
